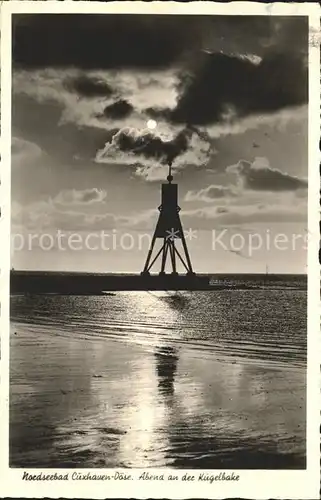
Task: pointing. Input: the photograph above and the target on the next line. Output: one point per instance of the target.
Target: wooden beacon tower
(168, 229)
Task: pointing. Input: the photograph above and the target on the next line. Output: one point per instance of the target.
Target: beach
(213, 379)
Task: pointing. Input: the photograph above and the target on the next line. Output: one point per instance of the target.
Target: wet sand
(84, 394)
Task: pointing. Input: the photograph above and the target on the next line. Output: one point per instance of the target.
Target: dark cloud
(108, 41)
(246, 86)
(246, 64)
(259, 35)
(119, 109)
(152, 146)
(102, 41)
(88, 86)
(210, 82)
(157, 113)
(259, 176)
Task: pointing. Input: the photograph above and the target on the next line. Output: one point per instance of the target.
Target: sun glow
(151, 124)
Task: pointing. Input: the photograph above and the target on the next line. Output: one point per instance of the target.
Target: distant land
(80, 283)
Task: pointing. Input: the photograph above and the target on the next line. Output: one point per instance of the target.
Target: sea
(196, 379)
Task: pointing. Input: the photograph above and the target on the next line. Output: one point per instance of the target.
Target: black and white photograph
(159, 243)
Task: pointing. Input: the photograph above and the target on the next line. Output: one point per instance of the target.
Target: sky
(100, 103)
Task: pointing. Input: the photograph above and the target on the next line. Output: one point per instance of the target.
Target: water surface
(152, 379)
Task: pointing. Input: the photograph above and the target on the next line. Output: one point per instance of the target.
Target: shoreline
(39, 282)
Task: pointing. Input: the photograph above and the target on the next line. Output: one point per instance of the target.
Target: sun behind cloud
(151, 124)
